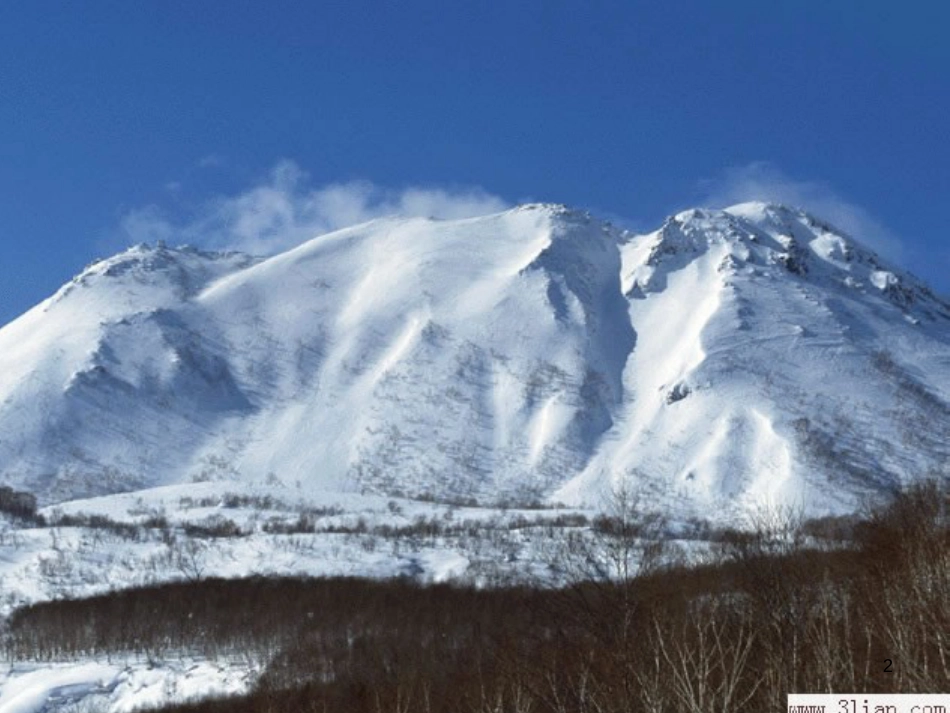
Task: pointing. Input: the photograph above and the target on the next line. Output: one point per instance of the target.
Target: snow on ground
(186, 532)
(32, 690)
(95, 687)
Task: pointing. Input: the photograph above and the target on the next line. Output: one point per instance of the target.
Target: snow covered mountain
(730, 358)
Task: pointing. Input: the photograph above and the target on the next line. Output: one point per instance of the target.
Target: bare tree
(189, 557)
(601, 601)
(707, 654)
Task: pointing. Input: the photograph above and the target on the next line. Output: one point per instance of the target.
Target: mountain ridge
(754, 354)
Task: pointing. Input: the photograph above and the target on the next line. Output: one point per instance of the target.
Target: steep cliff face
(729, 358)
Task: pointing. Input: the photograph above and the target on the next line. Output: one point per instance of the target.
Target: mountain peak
(185, 270)
(776, 239)
(560, 211)
(552, 208)
(752, 209)
(146, 257)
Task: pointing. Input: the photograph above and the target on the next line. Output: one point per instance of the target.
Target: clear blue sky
(632, 109)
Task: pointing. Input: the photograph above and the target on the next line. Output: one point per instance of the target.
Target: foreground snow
(96, 687)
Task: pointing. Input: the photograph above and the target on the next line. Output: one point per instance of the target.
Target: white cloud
(285, 210)
(762, 181)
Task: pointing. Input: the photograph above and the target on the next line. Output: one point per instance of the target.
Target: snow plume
(285, 210)
(763, 181)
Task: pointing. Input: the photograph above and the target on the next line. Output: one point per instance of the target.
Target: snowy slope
(729, 358)
(777, 362)
(105, 379)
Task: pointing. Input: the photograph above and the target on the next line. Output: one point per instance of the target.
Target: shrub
(18, 503)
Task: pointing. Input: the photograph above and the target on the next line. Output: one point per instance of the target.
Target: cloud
(763, 181)
(285, 209)
(210, 161)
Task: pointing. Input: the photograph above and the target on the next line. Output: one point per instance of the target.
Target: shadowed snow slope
(728, 359)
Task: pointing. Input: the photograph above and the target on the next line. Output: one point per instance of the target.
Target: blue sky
(252, 123)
